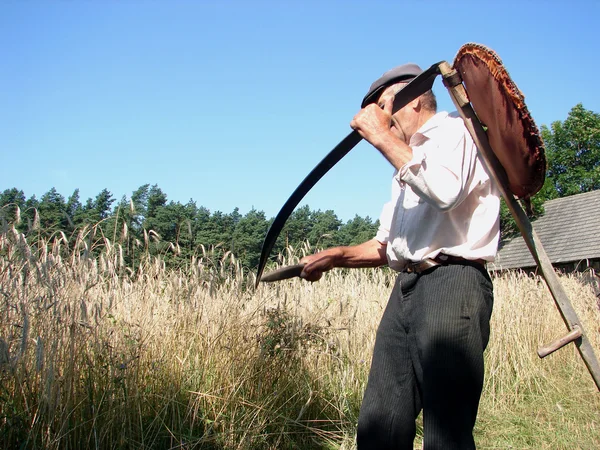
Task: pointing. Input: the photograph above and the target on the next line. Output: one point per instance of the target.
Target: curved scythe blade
(415, 88)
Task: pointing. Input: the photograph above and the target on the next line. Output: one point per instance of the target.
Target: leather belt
(442, 260)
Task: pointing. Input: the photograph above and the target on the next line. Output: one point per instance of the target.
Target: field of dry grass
(95, 356)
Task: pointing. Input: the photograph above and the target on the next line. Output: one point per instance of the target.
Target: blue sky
(232, 103)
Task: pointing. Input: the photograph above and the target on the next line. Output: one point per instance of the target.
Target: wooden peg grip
(560, 343)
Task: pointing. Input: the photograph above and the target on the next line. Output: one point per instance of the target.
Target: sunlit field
(94, 355)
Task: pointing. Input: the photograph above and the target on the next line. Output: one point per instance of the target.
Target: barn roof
(569, 231)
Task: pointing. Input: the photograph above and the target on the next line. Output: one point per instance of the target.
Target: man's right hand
(315, 265)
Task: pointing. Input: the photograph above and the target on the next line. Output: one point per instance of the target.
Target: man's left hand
(373, 122)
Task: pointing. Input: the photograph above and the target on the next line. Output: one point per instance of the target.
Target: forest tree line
(148, 222)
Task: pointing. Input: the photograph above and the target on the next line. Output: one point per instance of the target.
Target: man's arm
(447, 179)
(367, 254)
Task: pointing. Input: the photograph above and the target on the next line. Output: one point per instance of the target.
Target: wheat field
(94, 355)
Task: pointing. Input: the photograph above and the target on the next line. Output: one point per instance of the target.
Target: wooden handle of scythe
(560, 343)
(497, 173)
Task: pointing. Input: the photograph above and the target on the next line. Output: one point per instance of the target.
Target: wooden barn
(569, 231)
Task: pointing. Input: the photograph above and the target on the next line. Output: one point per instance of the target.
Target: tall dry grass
(93, 355)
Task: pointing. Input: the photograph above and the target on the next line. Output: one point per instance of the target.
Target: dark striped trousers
(428, 356)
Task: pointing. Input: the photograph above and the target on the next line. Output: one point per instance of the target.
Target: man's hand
(373, 122)
(385, 132)
(315, 265)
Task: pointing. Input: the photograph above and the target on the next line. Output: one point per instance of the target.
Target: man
(438, 230)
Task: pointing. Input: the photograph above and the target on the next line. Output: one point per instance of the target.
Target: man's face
(403, 121)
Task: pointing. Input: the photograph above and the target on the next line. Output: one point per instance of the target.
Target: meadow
(96, 355)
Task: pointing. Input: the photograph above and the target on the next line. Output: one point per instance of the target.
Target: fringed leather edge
(500, 74)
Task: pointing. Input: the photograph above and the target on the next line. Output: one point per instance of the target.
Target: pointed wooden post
(453, 83)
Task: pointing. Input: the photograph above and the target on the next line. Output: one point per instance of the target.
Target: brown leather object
(500, 107)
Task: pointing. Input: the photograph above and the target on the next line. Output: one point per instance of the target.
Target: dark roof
(569, 231)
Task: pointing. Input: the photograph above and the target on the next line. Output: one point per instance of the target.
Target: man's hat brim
(405, 72)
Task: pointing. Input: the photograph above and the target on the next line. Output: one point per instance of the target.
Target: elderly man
(438, 231)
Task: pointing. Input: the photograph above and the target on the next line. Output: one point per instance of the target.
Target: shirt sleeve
(445, 175)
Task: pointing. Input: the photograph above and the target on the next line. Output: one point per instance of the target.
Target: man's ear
(416, 104)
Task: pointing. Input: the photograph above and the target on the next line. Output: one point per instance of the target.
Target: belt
(442, 260)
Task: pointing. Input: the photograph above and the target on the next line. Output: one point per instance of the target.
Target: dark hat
(405, 72)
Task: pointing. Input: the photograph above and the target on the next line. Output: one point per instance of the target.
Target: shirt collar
(433, 122)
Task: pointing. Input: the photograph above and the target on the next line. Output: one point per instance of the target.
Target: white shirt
(443, 200)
